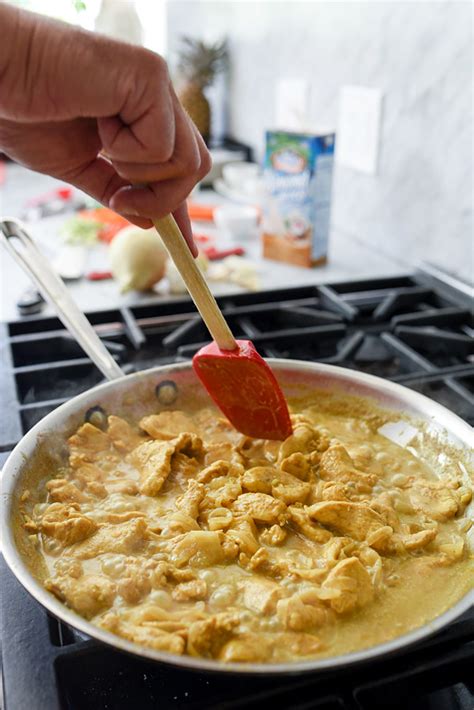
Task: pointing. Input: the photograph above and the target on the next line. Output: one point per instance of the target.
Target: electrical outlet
(292, 104)
(358, 134)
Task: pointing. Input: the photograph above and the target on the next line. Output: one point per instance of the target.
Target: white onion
(137, 258)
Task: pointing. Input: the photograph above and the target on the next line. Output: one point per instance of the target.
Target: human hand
(101, 115)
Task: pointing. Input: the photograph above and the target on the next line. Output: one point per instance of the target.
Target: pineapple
(198, 65)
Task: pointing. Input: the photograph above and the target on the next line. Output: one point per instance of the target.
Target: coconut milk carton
(298, 179)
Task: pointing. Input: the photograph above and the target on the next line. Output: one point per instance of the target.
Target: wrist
(30, 60)
(17, 37)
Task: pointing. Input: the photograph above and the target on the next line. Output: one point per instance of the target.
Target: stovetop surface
(414, 330)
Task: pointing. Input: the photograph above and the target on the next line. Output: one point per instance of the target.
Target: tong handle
(25, 252)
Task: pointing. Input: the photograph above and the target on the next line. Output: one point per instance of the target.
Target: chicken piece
(88, 445)
(89, 478)
(189, 444)
(172, 525)
(274, 536)
(262, 562)
(184, 467)
(96, 489)
(219, 519)
(123, 436)
(257, 451)
(231, 549)
(305, 439)
(335, 548)
(349, 586)
(418, 540)
(189, 502)
(190, 591)
(246, 648)
(243, 533)
(124, 538)
(290, 489)
(309, 574)
(387, 512)
(261, 507)
(153, 459)
(198, 548)
(150, 636)
(332, 490)
(135, 586)
(221, 493)
(300, 520)
(355, 520)
(214, 470)
(88, 473)
(222, 451)
(88, 595)
(259, 479)
(165, 573)
(66, 524)
(434, 499)
(63, 491)
(261, 595)
(385, 541)
(337, 465)
(295, 615)
(206, 638)
(298, 465)
(114, 518)
(451, 549)
(167, 425)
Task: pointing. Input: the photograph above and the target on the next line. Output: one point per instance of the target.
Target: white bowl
(236, 175)
(237, 222)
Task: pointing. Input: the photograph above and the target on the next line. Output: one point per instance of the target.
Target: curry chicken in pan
(180, 534)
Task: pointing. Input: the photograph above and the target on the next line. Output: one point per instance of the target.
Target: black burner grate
(398, 328)
(412, 330)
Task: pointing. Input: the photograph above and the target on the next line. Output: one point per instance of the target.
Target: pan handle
(25, 252)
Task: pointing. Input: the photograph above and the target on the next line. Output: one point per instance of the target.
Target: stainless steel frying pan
(131, 395)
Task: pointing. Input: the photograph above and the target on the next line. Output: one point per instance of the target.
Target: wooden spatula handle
(195, 282)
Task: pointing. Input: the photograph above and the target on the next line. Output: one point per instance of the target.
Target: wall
(419, 206)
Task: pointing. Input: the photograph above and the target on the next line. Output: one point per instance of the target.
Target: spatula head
(245, 389)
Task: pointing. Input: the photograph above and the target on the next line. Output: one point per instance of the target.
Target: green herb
(80, 231)
(79, 5)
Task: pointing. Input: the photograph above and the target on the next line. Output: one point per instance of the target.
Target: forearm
(52, 71)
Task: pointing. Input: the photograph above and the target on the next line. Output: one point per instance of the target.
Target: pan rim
(395, 392)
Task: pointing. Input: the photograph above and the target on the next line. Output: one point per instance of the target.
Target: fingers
(143, 128)
(154, 200)
(100, 180)
(188, 152)
(168, 184)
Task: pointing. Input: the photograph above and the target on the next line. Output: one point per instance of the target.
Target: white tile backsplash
(418, 54)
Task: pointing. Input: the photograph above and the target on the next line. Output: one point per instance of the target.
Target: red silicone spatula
(239, 381)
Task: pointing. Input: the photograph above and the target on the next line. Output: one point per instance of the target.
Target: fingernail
(129, 209)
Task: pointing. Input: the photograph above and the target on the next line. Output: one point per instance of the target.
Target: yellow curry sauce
(182, 535)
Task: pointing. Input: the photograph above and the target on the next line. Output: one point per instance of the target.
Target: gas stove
(416, 330)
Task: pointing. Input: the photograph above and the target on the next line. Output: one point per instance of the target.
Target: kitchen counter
(349, 259)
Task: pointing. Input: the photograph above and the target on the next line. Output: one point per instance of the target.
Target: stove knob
(30, 302)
